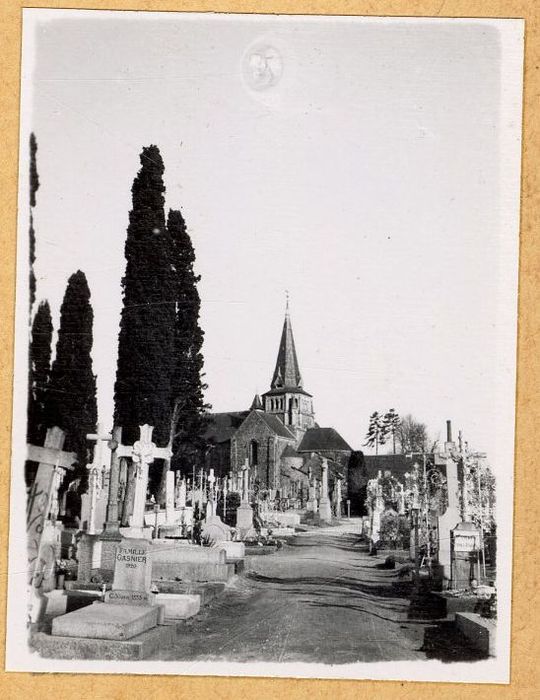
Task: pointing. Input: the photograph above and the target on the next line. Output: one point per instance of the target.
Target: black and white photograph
(265, 347)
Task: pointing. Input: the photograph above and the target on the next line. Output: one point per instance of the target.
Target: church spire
(287, 373)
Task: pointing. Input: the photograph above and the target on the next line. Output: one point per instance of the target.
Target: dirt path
(320, 599)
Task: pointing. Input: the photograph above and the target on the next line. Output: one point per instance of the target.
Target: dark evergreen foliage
(40, 367)
(357, 479)
(34, 179)
(34, 185)
(71, 402)
(143, 389)
(188, 386)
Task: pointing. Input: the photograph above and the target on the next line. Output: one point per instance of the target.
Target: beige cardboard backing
(525, 676)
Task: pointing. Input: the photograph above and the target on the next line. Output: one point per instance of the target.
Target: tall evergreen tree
(71, 402)
(392, 422)
(188, 386)
(34, 185)
(377, 432)
(145, 367)
(40, 367)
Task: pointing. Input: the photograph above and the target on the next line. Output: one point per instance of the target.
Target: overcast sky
(364, 177)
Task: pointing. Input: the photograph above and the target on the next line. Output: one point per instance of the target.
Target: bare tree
(411, 435)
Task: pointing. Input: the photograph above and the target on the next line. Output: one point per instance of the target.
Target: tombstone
(465, 555)
(132, 573)
(129, 608)
(325, 511)
(401, 500)
(244, 512)
(311, 504)
(40, 531)
(211, 504)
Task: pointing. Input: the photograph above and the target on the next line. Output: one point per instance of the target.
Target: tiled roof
(323, 440)
(275, 425)
(222, 426)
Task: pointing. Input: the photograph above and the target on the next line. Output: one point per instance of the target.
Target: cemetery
(136, 531)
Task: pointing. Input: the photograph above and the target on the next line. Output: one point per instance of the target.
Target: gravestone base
(325, 511)
(139, 647)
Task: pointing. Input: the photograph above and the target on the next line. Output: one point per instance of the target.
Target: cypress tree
(39, 358)
(40, 367)
(188, 386)
(146, 340)
(34, 185)
(71, 403)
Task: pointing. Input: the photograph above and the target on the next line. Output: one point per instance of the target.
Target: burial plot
(125, 626)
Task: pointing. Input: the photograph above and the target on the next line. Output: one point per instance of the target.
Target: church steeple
(287, 372)
(287, 399)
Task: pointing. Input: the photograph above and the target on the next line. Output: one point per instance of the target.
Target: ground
(321, 598)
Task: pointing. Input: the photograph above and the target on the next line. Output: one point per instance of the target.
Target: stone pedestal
(103, 621)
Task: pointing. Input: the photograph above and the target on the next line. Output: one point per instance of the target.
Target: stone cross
(53, 462)
(225, 491)
(143, 452)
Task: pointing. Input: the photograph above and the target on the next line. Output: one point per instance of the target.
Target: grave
(129, 615)
(286, 519)
(192, 563)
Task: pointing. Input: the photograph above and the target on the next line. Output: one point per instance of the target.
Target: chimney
(448, 431)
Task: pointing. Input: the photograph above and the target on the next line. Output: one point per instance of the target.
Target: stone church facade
(278, 437)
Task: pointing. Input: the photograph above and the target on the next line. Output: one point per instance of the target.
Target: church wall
(264, 457)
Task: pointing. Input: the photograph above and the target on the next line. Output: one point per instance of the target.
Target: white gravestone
(325, 512)
(169, 498)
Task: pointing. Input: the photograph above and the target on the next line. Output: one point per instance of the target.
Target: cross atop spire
(287, 371)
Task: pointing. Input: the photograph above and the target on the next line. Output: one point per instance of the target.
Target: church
(278, 436)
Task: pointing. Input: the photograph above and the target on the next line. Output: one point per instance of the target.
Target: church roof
(323, 440)
(287, 372)
(222, 426)
(276, 425)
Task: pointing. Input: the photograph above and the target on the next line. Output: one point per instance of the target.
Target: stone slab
(480, 631)
(133, 532)
(134, 649)
(191, 571)
(171, 552)
(207, 592)
(102, 621)
(179, 606)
